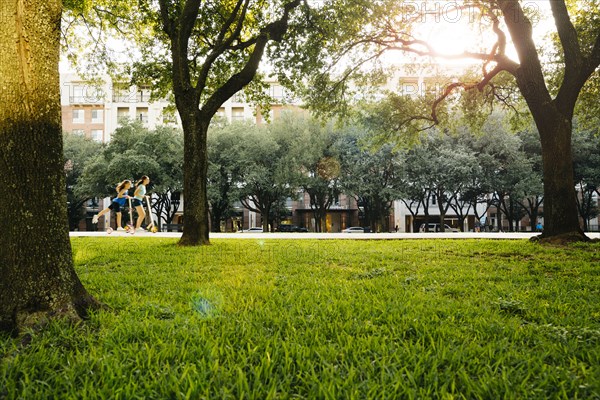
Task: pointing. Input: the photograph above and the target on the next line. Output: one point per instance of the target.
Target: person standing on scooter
(138, 201)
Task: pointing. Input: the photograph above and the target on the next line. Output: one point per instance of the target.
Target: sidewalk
(330, 236)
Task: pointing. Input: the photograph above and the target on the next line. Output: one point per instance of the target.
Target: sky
(449, 31)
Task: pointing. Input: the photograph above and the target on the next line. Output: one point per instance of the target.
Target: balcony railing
(85, 100)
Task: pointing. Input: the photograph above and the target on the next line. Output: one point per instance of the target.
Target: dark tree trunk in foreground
(38, 280)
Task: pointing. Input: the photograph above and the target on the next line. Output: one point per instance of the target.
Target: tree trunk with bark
(560, 204)
(196, 212)
(38, 277)
(190, 83)
(553, 117)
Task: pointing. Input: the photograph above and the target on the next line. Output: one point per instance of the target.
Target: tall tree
(319, 163)
(552, 108)
(508, 171)
(373, 176)
(203, 52)
(38, 275)
(215, 48)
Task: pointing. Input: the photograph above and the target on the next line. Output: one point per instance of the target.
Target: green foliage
(398, 119)
(335, 57)
(586, 163)
(77, 6)
(78, 152)
(320, 164)
(132, 152)
(270, 171)
(225, 167)
(321, 319)
(373, 176)
(585, 17)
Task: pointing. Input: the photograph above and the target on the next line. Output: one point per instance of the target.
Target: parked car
(435, 227)
(290, 228)
(256, 229)
(354, 229)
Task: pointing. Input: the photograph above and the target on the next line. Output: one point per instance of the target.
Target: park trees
(78, 151)
(38, 277)
(552, 107)
(372, 175)
(586, 160)
(449, 167)
(269, 174)
(319, 164)
(225, 167)
(203, 52)
(214, 49)
(135, 151)
(509, 170)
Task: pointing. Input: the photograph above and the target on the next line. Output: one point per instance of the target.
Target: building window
(97, 135)
(122, 93)
(78, 94)
(143, 95)
(86, 94)
(78, 132)
(237, 113)
(78, 116)
(410, 88)
(122, 113)
(276, 91)
(141, 114)
(97, 116)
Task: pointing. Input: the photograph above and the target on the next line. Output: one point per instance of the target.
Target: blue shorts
(137, 202)
(116, 207)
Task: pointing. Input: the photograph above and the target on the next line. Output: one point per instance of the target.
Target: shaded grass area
(267, 319)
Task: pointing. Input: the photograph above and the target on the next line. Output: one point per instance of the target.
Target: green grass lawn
(268, 319)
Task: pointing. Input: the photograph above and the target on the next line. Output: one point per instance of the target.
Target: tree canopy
(550, 96)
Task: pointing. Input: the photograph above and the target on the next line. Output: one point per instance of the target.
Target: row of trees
(93, 170)
(263, 166)
(206, 51)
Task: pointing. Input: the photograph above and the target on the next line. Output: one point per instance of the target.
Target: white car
(256, 229)
(354, 229)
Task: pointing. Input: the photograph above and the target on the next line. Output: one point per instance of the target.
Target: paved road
(356, 236)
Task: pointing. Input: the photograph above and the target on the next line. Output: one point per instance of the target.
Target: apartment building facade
(94, 109)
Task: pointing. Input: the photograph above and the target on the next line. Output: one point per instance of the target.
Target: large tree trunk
(38, 278)
(195, 160)
(560, 204)
(553, 117)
